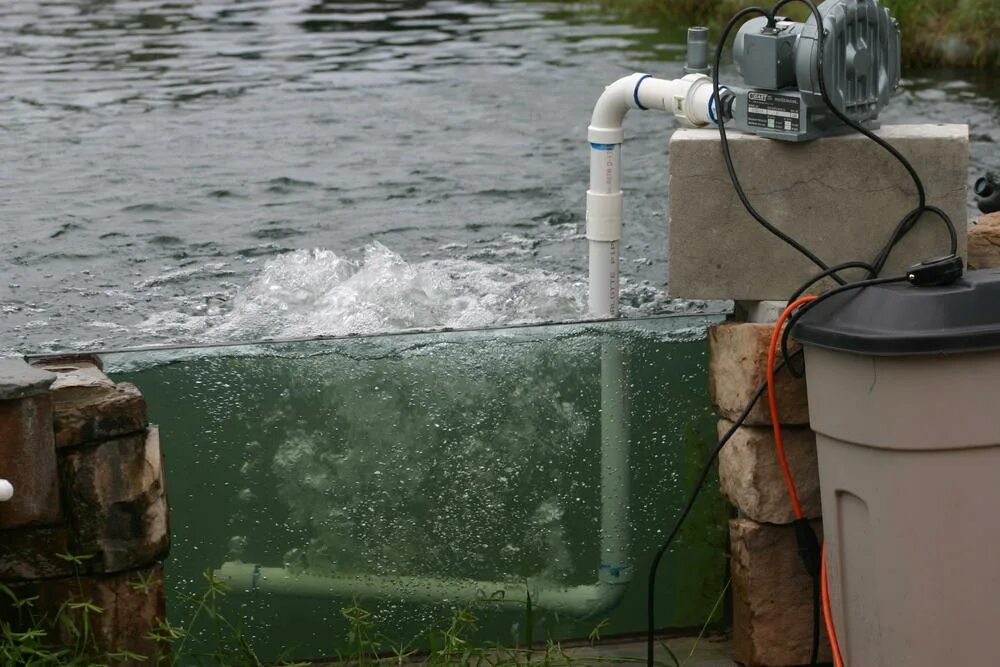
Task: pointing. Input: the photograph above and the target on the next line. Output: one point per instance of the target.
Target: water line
(689, 100)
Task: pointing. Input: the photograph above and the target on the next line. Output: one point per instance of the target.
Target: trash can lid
(902, 319)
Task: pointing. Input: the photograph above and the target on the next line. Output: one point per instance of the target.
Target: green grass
(39, 641)
(925, 24)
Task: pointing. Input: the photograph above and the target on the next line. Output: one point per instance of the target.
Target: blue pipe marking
(635, 93)
(615, 571)
(604, 147)
(711, 105)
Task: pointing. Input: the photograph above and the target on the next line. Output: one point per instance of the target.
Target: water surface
(163, 159)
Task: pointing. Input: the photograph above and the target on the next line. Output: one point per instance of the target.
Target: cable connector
(809, 549)
(936, 271)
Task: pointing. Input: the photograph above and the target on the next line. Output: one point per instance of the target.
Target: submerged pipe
(690, 100)
(614, 572)
(579, 601)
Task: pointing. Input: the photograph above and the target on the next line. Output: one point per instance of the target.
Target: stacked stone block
(984, 242)
(772, 591)
(88, 521)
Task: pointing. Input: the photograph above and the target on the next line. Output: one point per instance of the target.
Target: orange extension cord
(787, 473)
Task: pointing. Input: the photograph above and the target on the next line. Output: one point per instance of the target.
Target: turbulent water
(181, 171)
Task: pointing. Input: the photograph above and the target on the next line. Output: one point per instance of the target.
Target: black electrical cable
(800, 372)
(873, 270)
(908, 221)
(727, 155)
(833, 269)
(651, 583)
(804, 308)
(910, 218)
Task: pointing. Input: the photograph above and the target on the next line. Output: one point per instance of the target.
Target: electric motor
(780, 65)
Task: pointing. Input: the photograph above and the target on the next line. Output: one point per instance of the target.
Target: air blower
(784, 69)
(798, 84)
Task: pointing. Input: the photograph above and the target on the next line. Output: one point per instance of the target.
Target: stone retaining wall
(88, 521)
(772, 591)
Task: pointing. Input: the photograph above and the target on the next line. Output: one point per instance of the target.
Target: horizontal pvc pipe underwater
(689, 99)
(578, 601)
(614, 573)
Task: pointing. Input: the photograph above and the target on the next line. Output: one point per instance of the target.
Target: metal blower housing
(781, 97)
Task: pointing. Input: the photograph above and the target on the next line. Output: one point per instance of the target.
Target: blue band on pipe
(604, 147)
(711, 106)
(635, 93)
(614, 570)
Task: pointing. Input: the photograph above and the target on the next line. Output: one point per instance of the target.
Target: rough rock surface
(31, 553)
(772, 597)
(89, 407)
(119, 512)
(737, 363)
(840, 196)
(131, 604)
(28, 461)
(984, 242)
(751, 477)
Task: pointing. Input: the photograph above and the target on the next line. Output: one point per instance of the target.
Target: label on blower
(773, 112)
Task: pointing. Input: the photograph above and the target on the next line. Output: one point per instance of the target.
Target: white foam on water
(318, 292)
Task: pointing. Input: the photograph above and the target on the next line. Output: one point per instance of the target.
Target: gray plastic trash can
(904, 396)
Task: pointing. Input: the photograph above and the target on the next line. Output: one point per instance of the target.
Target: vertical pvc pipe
(604, 262)
(615, 566)
(604, 213)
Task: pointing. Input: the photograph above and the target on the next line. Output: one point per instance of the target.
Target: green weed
(925, 24)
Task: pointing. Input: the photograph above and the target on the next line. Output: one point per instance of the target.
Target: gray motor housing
(781, 98)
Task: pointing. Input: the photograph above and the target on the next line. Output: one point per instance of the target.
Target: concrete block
(751, 477)
(737, 366)
(840, 196)
(19, 380)
(758, 311)
(984, 242)
(772, 597)
(119, 514)
(28, 461)
(89, 407)
(132, 605)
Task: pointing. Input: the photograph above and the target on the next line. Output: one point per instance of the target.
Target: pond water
(205, 171)
(394, 471)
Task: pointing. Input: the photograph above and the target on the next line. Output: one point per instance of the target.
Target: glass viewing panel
(419, 473)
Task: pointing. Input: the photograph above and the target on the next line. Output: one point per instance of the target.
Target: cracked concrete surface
(840, 196)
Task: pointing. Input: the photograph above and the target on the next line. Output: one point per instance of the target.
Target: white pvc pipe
(689, 99)
(577, 601)
(614, 571)
(616, 567)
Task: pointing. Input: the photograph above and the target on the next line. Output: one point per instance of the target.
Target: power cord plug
(936, 271)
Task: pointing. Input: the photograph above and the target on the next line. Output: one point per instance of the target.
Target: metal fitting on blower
(781, 65)
(987, 190)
